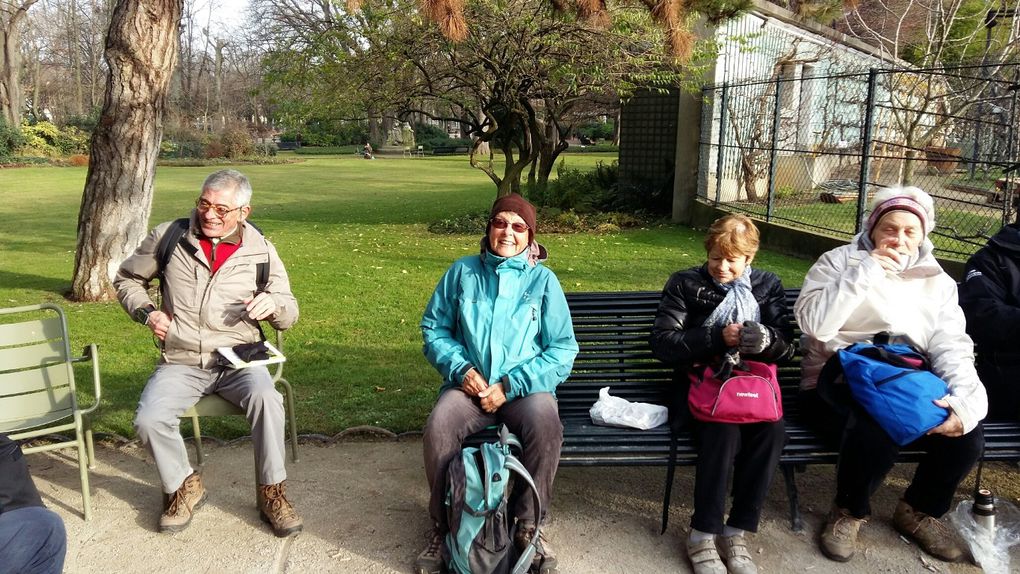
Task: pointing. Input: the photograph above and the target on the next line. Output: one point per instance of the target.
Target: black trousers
(747, 452)
(867, 454)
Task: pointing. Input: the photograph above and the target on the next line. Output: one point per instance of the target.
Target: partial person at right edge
(705, 312)
(990, 298)
(888, 280)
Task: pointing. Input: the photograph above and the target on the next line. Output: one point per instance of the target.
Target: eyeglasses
(221, 210)
(517, 226)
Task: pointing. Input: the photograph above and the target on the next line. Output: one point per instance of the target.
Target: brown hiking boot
(179, 506)
(544, 561)
(839, 539)
(275, 509)
(430, 561)
(928, 532)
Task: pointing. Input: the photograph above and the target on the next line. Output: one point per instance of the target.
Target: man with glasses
(211, 298)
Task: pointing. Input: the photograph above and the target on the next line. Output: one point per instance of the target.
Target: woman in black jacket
(706, 311)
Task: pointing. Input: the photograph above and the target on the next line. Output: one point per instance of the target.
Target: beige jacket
(207, 311)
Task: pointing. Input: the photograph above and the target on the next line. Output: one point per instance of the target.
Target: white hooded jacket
(847, 297)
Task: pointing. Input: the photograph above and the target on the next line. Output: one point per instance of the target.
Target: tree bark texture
(11, 99)
(141, 52)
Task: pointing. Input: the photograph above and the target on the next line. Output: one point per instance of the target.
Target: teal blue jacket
(506, 318)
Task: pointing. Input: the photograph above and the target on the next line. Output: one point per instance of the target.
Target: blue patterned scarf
(739, 304)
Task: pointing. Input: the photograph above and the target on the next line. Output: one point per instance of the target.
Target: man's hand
(474, 383)
(492, 398)
(731, 334)
(158, 323)
(260, 306)
(953, 426)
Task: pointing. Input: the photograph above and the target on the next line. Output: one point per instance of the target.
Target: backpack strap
(173, 237)
(513, 464)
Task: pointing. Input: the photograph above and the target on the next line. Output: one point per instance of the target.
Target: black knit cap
(517, 204)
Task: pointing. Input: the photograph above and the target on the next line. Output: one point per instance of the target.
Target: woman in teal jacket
(498, 330)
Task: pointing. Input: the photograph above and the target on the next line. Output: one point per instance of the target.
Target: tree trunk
(11, 99)
(141, 52)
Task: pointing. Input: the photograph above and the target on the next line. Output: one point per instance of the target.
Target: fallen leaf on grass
(380, 389)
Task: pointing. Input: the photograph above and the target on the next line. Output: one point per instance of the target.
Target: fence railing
(809, 151)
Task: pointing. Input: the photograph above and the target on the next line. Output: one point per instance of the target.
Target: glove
(754, 338)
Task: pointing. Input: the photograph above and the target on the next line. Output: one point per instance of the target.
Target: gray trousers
(534, 419)
(173, 389)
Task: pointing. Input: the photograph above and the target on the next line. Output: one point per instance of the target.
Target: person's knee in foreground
(988, 296)
(498, 331)
(213, 295)
(32, 537)
(887, 280)
(705, 312)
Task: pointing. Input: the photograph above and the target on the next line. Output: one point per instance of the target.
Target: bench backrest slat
(612, 332)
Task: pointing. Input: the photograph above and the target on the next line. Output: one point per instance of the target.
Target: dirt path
(364, 508)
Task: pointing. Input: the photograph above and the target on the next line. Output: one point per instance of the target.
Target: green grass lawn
(362, 265)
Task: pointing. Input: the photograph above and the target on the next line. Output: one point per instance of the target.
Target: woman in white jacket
(887, 279)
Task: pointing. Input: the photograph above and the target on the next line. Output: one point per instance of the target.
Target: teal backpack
(478, 487)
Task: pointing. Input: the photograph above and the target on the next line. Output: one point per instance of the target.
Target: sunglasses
(502, 223)
(221, 210)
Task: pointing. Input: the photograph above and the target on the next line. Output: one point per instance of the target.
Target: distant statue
(407, 135)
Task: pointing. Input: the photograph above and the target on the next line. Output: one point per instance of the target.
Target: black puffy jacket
(990, 298)
(679, 338)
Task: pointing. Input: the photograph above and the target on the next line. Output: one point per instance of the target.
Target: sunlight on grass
(362, 263)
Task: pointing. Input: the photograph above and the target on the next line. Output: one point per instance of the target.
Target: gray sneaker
(430, 561)
(734, 552)
(839, 539)
(704, 557)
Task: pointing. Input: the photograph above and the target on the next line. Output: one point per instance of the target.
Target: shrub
(79, 160)
(596, 130)
(46, 139)
(214, 149)
(236, 142)
(85, 122)
(11, 140)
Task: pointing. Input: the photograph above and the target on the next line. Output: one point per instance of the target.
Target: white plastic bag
(616, 412)
(990, 550)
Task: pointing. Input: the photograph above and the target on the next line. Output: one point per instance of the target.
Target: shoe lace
(435, 543)
(277, 503)
(846, 525)
(176, 500)
(937, 528)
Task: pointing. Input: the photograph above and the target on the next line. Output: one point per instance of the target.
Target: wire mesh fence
(809, 151)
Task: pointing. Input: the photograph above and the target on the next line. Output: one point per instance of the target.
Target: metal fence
(809, 151)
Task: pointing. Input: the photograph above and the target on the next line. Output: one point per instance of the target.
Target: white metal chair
(215, 406)
(420, 152)
(37, 393)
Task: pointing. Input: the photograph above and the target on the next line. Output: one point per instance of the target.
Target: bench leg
(789, 476)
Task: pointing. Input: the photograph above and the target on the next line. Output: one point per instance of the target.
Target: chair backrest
(36, 374)
(421, 148)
